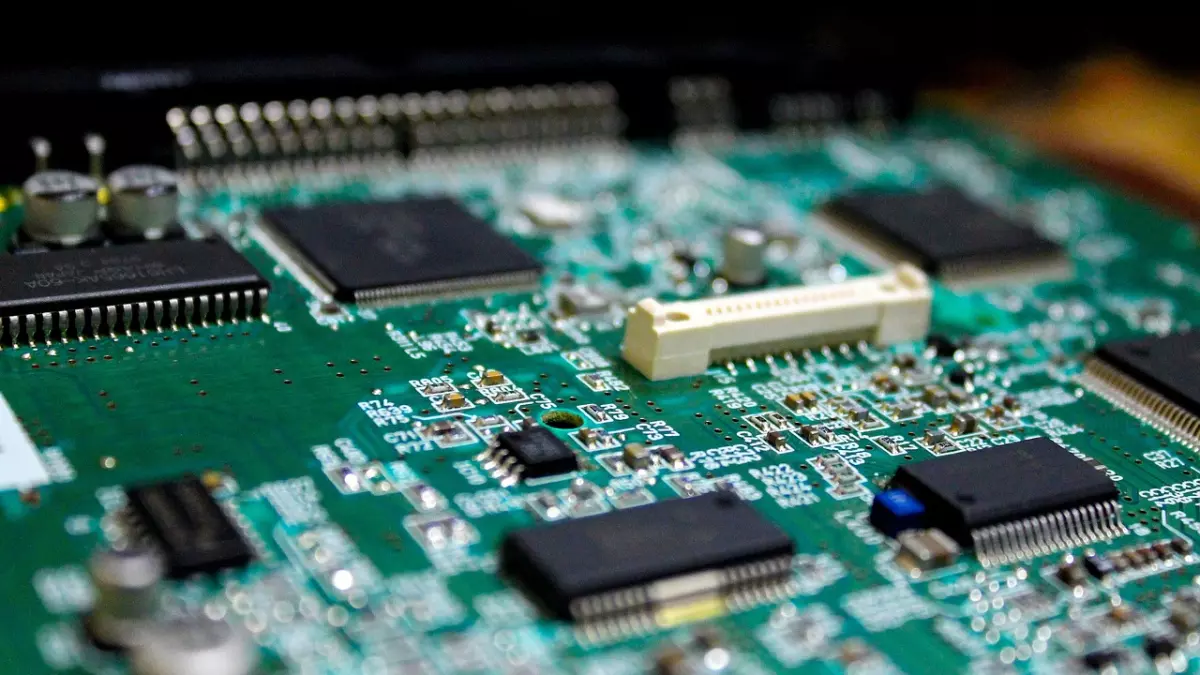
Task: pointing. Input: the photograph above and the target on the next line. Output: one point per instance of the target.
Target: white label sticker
(20, 464)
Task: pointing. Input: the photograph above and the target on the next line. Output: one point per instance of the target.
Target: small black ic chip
(533, 453)
(190, 528)
(1156, 377)
(625, 562)
(945, 233)
(1015, 500)
(395, 251)
(158, 285)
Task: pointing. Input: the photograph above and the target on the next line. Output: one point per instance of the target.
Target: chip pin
(201, 310)
(41, 153)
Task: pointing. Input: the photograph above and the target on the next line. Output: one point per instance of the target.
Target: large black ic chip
(395, 251)
(191, 529)
(945, 233)
(624, 561)
(535, 453)
(1167, 365)
(159, 285)
(1035, 488)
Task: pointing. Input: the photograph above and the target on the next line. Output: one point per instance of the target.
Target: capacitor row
(64, 208)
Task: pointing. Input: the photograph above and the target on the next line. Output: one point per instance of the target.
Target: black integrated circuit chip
(1156, 377)
(945, 233)
(625, 562)
(1016, 500)
(156, 285)
(1168, 365)
(396, 251)
(191, 529)
(534, 452)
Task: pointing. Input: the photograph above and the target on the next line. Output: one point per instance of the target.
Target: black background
(122, 88)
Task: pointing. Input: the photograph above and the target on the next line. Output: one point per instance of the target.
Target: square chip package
(1156, 377)
(953, 238)
(412, 249)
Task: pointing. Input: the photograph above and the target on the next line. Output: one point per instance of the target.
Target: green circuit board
(348, 442)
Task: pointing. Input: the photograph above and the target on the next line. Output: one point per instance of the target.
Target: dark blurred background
(1116, 94)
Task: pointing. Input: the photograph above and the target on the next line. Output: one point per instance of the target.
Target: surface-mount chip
(962, 242)
(181, 518)
(672, 560)
(1156, 378)
(1016, 500)
(158, 285)
(391, 252)
(534, 452)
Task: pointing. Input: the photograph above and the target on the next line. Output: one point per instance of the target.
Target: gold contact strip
(631, 611)
(622, 626)
(1025, 271)
(1134, 398)
(451, 288)
(1045, 534)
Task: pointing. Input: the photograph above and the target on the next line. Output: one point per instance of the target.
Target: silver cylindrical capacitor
(745, 256)
(61, 207)
(195, 646)
(144, 199)
(127, 586)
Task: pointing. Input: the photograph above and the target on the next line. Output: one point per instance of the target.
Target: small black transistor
(533, 453)
(191, 529)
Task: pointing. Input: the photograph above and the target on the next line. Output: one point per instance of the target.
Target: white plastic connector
(683, 338)
(20, 462)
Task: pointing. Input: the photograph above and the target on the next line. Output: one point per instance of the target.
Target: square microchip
(1156, 377)
(1016, 499)
(390, 252)
(950, 236)
(625, 561)
(533, 453)
(191, 529)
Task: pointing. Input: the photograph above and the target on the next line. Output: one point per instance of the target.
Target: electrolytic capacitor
(127, 587)
(61, 207)
(195, 646)
(745, 256)
(145, 199)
